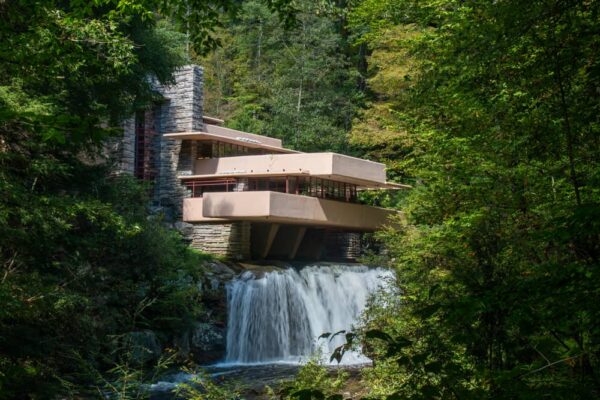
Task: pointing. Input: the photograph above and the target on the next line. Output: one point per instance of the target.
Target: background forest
(490, 110)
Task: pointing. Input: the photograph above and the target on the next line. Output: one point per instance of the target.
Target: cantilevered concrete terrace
(283, 208)
(239, 176)
(332, 166)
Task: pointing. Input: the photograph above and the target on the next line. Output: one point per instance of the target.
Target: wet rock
(219, 268)
(217, 275)
(207, 342)
(215, 283)
(206, 337)
(184, 228)
(144, 346)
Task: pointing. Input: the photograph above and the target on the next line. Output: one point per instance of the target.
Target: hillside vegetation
(490, 110)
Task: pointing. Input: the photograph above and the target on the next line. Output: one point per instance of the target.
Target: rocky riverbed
(254, 382)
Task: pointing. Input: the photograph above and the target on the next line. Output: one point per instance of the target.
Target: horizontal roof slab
(232, 136)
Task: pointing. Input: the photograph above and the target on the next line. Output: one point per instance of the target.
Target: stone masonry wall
(230, 240)
(127, 147)
(181, 112)
(344, 245)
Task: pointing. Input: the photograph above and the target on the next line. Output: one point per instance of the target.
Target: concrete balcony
(331, 166)
(282, 208)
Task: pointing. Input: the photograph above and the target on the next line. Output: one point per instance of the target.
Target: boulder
(218, 268)
(207, 342)
(187, 230)
(144, 346)
(217, 275)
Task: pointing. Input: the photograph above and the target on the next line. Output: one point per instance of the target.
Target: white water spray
(278, 317)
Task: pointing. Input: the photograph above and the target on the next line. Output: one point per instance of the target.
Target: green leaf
(378, 334)
(308, 394)
(433, 367)
(336, 334)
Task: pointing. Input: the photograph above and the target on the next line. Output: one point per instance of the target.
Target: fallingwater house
(242, 195)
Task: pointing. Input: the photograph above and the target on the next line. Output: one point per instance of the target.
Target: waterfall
(278, 316)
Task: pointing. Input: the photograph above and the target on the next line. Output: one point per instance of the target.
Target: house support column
(297, 241)
(273, 229)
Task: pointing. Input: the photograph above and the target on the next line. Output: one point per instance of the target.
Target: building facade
(243, 195)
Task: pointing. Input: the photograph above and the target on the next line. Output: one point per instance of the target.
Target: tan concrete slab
(238, 140)
(266, 206)
(331, 166)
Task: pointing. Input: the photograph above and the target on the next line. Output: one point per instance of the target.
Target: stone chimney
(182, 110)
(143, 143)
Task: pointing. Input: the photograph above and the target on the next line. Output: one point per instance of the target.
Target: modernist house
(244, 195)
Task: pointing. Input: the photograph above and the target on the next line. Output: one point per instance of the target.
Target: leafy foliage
(296, 84)
(492, 112)
(202, 387)
(313, 381)
(82, 268)
(490, 109)
(82, 265)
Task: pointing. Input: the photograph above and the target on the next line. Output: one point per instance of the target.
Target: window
(139, 161)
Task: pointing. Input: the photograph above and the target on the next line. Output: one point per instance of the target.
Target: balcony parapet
(330, 166)
(275, 207)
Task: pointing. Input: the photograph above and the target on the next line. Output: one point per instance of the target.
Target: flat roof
(241, 135)
(212, 120)
(237, 140)
(346, 172)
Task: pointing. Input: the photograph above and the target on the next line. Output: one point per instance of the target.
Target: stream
(275, 319)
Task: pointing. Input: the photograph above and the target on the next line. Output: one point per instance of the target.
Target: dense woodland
(490, 110)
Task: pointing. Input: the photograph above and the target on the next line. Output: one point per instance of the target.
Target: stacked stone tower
(146, 154)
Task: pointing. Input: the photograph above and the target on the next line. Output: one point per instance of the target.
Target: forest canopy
(85, 270)
(490, 110)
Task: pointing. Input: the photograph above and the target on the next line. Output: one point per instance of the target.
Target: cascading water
(279, 315)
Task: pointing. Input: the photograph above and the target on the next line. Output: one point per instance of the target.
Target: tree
(298, 84)
(495, 119)
(81, 264)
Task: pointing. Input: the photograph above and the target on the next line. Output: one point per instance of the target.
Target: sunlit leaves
(495, 277)
(298, 85)
(314, 382)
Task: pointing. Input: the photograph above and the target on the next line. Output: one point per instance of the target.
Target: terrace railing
(306, 186)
